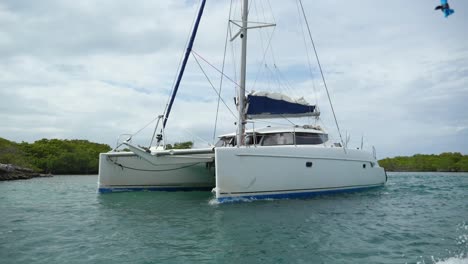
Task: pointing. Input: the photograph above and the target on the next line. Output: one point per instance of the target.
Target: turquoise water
(415, 218)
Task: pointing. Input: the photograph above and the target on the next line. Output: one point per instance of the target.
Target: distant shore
(444, 162)
(54, 156)
(10, 172)
(80, 157)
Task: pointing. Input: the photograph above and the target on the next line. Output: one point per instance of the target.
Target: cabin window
(278, 139)
(310, 138)
(249, 140)
(226, 142)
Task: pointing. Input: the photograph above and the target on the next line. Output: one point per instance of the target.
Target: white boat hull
(292, 171)
(126, 171)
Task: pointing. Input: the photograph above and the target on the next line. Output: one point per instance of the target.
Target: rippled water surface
(415, 218)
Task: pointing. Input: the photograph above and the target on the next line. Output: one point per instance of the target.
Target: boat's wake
(215, 201)
(232, 200)
(454, 260)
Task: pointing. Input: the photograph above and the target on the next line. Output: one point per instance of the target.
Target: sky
(397, 71)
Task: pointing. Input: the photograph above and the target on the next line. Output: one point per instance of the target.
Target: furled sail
(274, 105)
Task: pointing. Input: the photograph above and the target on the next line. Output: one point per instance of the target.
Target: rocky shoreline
(9, 172)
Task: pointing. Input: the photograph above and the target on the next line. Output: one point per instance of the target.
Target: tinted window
(278, 139)
(310, 139)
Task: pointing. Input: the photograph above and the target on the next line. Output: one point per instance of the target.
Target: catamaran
(271, 162)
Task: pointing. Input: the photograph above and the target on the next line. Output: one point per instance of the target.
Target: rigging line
(200, 138)
(270, 45)
(221, 80)
(263, 11)
(233, 54)
(288, 120)
(284, 83)
(271, 79)
(212, 86)
(177, 71)
(130, 168)
(227, 77)
(250, 5)
(180, 61)
(272, 13)
(308, 55)
(287, 84)
(236, 5)
(233, 49)
(265, 19)
(145, 126)
(265, 52)
(321, 73)
(261, 42)
(281, 78)
(289, 89)
(274, 77)
(184, 63)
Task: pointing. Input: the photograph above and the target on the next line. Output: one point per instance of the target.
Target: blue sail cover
(273, 105)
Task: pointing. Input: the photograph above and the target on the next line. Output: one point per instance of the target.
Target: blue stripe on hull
(157, 189)
(296, 195)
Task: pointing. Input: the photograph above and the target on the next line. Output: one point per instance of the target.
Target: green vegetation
(54, 155)
(180, 145)
(82, 157)
(12, 153)
(451, 162)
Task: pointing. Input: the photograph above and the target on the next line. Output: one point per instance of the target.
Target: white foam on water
(457, 259)
(453, 260)
(463, 239)
(213, 201)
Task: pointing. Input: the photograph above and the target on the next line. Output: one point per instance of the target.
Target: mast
(241, 96)
(184, 62)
